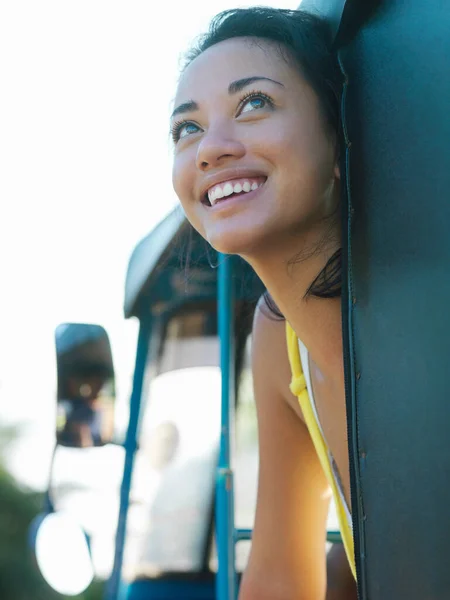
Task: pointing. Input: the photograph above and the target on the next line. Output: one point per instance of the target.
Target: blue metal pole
(226, 582)
(112, 589)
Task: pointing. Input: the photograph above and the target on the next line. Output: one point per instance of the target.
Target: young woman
(256, 169)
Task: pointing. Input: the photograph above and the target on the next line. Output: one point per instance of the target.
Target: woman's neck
(317, 321)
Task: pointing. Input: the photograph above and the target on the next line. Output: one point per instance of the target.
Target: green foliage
(95, 592)
(19, 576)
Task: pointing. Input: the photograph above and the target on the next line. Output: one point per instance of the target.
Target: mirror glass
(62, 554)
(86, 386)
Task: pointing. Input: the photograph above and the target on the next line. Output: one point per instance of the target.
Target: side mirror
(86, 386)
(62, 553)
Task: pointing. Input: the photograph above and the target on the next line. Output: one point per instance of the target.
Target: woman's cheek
(276, 141)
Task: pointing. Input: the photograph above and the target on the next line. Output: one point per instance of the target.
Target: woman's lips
(234, 199)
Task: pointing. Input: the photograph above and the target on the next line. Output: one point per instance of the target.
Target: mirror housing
(86, 386)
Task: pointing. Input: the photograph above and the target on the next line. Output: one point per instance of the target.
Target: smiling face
(254, 164)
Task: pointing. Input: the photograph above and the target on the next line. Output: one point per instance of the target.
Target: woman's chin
(232, 242)
(246, 233)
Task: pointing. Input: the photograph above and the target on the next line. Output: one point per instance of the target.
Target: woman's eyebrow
(189, 106)
(233, 88)
(240, 84)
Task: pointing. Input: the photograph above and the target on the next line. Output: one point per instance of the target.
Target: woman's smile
(220, 185)
(234, 187)
(235, 201)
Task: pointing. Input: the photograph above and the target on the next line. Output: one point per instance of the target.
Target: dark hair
(305, 39)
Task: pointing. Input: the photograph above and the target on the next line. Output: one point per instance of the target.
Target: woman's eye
(181, 130)
(255, 102)
(187, 129)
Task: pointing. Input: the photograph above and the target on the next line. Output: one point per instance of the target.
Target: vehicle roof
(174, 265)
(146, 256)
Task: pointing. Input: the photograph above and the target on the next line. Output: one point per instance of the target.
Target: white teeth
(214, 195)
(227, 189)
(224, 190)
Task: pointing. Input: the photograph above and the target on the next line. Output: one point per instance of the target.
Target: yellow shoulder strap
(299, 389)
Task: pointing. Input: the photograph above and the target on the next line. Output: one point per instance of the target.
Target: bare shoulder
(270, 357)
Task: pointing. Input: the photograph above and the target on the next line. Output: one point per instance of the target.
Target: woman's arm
(287, 559)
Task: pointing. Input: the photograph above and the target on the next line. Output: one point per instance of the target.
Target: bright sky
(85, 166)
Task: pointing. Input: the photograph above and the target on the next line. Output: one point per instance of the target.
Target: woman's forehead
(229, 61)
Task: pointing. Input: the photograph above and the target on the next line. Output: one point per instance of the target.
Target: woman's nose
(218, 147)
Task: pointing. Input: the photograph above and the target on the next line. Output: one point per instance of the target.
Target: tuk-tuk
(191, 436)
